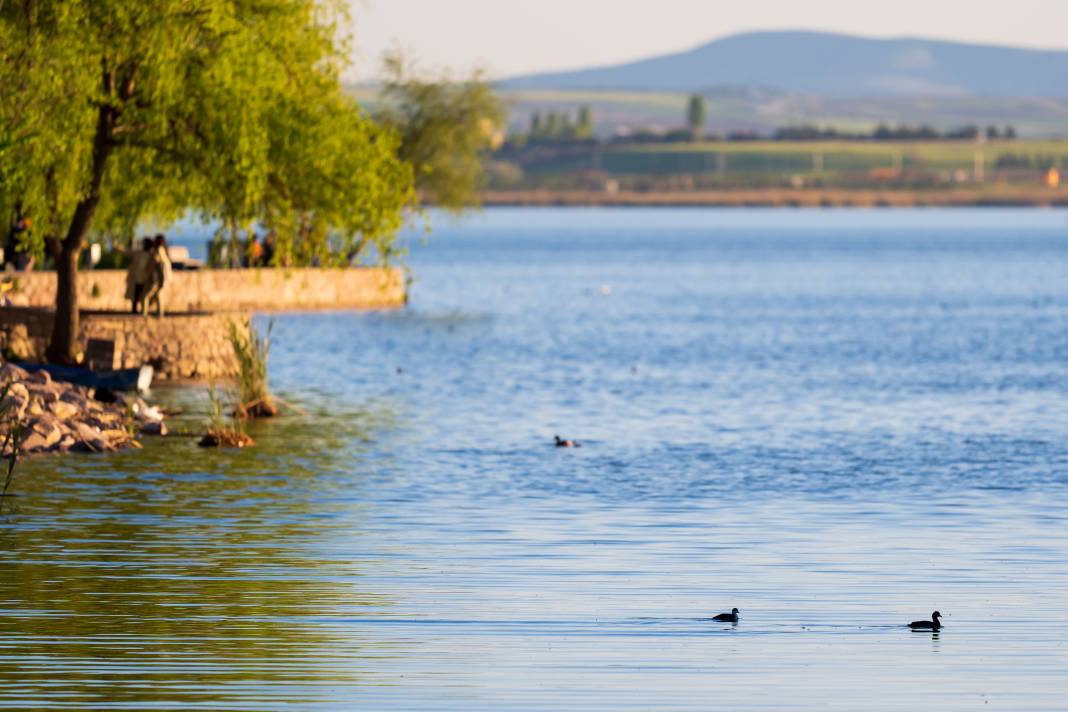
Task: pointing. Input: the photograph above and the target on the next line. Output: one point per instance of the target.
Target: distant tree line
(563, 128)
(651, 135)
(1011, 161)
(902, 132)
(815, 133)
(558, 126)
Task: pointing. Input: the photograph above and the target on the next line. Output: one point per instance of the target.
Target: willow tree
(45, 141)
(336, 184)
(447, 128)
(110, 109)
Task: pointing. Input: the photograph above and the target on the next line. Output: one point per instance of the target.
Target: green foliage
(223, 431)
(216, 420)
(447, 130)
(113, 111)
(46, 112)
(12, 441)
(558, 127)
(337, 186)
(584, 130)
(697, 115)
(252, 351)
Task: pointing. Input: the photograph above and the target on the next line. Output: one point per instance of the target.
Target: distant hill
(830, 65)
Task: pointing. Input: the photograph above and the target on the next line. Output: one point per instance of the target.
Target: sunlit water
(835, 421)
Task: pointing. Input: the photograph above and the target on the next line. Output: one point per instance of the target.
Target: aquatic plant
(223, 431)
(252, 350)
(12, 426)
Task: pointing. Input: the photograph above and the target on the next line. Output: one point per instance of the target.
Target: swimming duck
(566, 443)
(731, 617)
(934, 624)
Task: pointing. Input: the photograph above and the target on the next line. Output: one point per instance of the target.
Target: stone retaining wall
(181, 346)
(267, 289)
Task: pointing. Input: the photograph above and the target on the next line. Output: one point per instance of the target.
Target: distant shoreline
(785, 198)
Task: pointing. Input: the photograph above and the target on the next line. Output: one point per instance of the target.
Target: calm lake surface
(835, 421)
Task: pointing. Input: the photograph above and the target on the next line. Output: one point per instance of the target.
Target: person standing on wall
(137, 274)
(159, 276)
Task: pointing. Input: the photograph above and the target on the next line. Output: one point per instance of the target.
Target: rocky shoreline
(59, 417)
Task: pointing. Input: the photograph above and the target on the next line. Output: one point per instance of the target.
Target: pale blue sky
(517, 36)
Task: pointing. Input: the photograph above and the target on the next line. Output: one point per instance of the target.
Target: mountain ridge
(829, 64)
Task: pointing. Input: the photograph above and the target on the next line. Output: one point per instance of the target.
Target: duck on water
(731, 617)
(934, 624)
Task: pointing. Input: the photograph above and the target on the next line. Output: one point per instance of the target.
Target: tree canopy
(697, 115)
(446, 128)
(114, 111)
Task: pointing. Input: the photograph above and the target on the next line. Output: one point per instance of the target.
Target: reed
(12, 427)
(252, 351)
(223, 431)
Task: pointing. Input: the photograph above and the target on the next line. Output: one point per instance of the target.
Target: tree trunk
(63, 346)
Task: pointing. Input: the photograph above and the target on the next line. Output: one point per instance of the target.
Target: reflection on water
(186, 576)
(836, 422)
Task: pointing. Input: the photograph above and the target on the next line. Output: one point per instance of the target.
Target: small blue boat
(126, 379)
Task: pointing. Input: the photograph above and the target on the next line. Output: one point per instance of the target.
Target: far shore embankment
(785, 198)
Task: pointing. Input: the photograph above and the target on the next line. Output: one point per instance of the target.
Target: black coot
(731, 617)
(934, 624)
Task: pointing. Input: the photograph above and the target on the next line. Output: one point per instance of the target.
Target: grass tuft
(13, 428)
(252, 350)
(223, 431)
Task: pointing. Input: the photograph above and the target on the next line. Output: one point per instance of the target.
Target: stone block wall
(184, 346)
(266, 289)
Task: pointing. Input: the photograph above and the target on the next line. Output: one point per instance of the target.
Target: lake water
(835, 421)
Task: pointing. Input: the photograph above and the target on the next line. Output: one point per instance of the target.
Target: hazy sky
(518, 36)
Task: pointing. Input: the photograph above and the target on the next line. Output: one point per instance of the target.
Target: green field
(768, 163)
(765, 111)
(830, 157)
